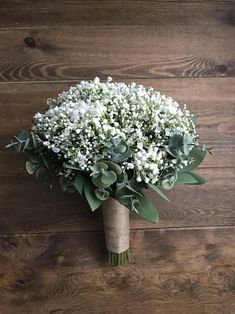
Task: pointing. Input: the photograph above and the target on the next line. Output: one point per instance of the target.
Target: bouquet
(109, 142)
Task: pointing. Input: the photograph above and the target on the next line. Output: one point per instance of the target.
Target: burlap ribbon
(116, 225)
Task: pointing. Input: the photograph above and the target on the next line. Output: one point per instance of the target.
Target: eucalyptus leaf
(194, 118)
(102, 194)
(23, 135)
(71, 167)
(113, 166)
(190, 178)
(169, 180)
(30, 167)
(79, 182)
(133, 190)
(102, 176)
(91, 198)
(147, 210)
(118, 149)
(198, 155)
(156, 189)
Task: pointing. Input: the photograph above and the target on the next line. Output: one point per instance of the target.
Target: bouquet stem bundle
(117, 230)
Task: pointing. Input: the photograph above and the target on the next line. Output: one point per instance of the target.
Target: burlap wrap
(116, 225)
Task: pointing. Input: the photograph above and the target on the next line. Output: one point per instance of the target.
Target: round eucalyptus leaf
(102, 194)
(30, 167)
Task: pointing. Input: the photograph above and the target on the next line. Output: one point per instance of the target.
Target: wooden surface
(52, 254)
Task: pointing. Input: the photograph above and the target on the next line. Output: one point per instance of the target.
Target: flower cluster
(82, 120)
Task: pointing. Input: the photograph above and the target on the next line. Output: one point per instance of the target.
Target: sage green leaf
(147, 210)
(104, 179)
(34, 141)
(26, 144)
(98, 167)
(194, 118)
(108, 178)
(30, 167)
(167, 184)
(176, 141)
(102, 194)
(156, 189)
(118, 149)
(169, 180)
(113, 166)
(71, 167)
(198, 155)
(23, 135)
(121, 180)
(79, 182)
(91, 198)
(188, 142)
(133, 190)
(189, 178)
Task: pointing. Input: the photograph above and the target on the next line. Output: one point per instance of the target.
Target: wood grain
(122, 52)
(173, 271)
(62, 13)
(52, 253)
(211, 99)
(28, 206)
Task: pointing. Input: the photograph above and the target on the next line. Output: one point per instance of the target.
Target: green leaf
(79, 182)
(133, 190)
(189, 178)
(104, 179)
(169, 180)
(114, 167)
(99, 166)
(102, 194)
(194, 118)
(30, 167)
(156, 189)
(118, 149)
(188, 142)
(147, 210)
(91, 198)
(108, 178)
(23, 135)
(198, 154)
(71, 167)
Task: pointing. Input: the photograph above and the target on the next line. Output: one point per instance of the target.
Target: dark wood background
(52, 254)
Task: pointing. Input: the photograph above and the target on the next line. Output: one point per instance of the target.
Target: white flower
(96, 80)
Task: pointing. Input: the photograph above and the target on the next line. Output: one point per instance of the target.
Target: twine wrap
(117, 231)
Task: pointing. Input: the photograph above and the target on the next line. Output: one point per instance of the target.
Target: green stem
(118, 259)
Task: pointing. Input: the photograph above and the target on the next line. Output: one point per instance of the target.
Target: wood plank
(123, 52)
(172, 271)
(28, 206)
(48, 13)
